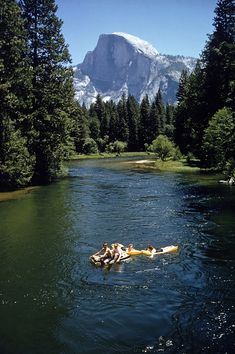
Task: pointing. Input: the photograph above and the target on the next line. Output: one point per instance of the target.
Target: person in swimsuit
(130, 247)
(103, 254)
(116, 254)
(151, 249)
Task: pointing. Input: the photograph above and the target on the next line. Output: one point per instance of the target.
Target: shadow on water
(53, 300)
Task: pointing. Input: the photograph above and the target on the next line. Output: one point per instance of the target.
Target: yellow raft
(134, 252)
(166, 249)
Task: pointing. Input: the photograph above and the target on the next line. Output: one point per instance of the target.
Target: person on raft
(116, 254)
(104, 253)
(153, 250)
(130, 248)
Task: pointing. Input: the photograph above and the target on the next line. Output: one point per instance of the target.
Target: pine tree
(133, 116)
(189, 115)
(114, 122)
(52, 87)
(80, 129)
(16, 164)
(144, 122)
(123, 133)
(160, 111)
(211, 85)
(169, 127)
(154, 121)
(218, 58)
(180, 95)
(100, 110)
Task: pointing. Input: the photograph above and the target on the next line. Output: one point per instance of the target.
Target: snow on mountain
(122, 63)
(141, 46)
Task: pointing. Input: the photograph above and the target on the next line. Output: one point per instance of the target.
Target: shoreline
(10, 195)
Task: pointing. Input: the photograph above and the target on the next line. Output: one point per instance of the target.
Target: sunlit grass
(175, 166)
(156, 164)
(107, 155)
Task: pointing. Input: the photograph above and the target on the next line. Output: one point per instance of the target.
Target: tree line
(127, 125)
(204, 116)
(41, 123)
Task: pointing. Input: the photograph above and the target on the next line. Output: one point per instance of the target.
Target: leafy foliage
(90, 146)
(162, 147)
(16, 164)
(219, 138)
(208, 90)
(117, 147)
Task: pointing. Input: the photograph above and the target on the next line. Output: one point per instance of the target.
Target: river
(54, 301)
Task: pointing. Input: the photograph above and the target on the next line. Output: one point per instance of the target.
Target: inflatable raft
(134, 252)
(163, 250)
(96, 260)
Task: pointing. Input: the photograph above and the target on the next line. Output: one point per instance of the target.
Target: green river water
(54, 301)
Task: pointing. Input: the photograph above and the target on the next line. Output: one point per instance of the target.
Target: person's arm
(98, 253)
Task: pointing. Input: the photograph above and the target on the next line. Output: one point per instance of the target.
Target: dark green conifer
(101, 114)
(169, 127)
(154, 121)
(114, 122)
(123, 130)
(52, 87)
(144, 122)
(16, 164)
(80, 128)
(218, 59)
(133, 116)
(160, 111)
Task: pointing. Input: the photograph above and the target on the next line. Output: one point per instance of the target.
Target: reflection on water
(52, 300)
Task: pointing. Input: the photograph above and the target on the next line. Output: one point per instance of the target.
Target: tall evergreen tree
(180, 95)
(160, 110)
(101, 114)
(218, 59)
(123, 133)
(133, 116)
(94, 126)
(154, 122)
(80, 128)
(114, 122)
(211, 86)
(169, 127)
(16, 165)
(52, 86)
(144, 122)
(189, 114)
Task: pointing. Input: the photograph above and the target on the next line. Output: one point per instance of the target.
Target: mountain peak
(123, 63)
(140, 45)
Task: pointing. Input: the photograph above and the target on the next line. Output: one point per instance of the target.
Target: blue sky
(171, 26)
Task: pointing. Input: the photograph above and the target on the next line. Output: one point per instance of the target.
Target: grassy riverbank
(169, 165)
(107, 155)
(149, 161)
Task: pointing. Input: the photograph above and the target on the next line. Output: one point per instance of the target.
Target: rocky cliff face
(122, 63)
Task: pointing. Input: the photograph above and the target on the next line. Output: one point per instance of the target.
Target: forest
(42, 125)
